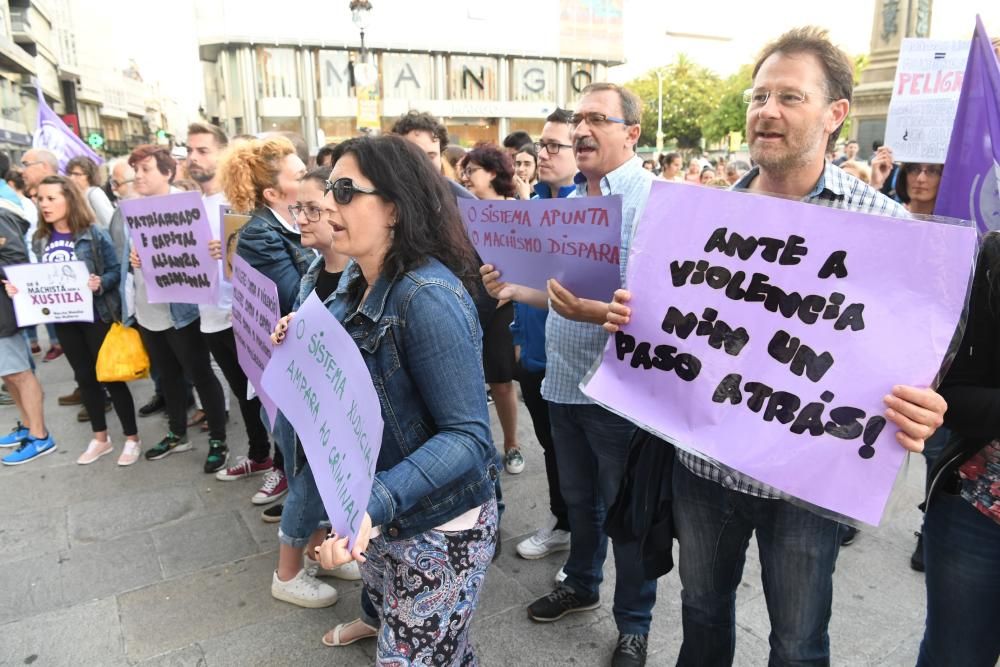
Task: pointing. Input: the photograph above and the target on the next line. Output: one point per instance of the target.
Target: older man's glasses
(758, 97)
(550, 147)
(344, 189)
(595, 119)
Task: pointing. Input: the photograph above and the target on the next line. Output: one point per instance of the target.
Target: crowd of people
(372, 227)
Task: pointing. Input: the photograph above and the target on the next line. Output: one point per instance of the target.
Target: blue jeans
(591, 452)
(798, 552)
(303, 512)
(962, 557)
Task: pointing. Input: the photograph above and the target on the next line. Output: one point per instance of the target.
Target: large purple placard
(575, 240)
(171, 234)
(765, 334)
(322, 385)
(255, 312)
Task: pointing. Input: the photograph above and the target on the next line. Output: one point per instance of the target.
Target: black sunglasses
(343, 190)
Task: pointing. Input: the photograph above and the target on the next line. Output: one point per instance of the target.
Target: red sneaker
(275, 486)
(244, 468)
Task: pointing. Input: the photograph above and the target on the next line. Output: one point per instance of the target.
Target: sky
(738, 28)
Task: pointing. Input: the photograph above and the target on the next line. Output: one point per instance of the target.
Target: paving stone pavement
(160, 564)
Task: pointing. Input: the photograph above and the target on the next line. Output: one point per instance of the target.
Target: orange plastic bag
(122, 357)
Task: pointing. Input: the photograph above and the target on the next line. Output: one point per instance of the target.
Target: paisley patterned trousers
(425, 589)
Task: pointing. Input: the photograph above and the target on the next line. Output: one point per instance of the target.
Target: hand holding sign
(765, 334)
(336, 550)
(51, 292)
(170, 238)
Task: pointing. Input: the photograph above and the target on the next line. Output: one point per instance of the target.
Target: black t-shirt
(326, 284)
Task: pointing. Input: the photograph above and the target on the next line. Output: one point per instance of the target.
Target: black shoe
(563, 600)
(155, 405)
(272, 514)
(630, 651)
(917, 559)
(218, 456)
(847, 534)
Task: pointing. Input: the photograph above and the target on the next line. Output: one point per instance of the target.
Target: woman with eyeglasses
(491, 176)
(66, 232)
(83, 172)
(261, 177)
(915, 184)
(430, 529)
(300, 530)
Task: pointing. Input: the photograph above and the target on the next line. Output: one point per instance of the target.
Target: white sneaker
(561, 575)
(95, 450)
(130, 453)
(546, 540)
(304, 591)
(347, 571)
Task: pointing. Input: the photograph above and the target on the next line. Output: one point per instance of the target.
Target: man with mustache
(591, 443)
(801, 95)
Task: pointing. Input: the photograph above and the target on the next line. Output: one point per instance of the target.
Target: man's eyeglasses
(551, 147)
(312, 213)
(117, 184)
(596, 119)
(917, 169)
(25, 165)
(758, 97)
(343, 190)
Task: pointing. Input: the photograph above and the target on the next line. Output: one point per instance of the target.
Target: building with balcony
(487, 75)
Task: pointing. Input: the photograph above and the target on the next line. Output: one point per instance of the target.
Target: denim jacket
(181, 314)
(420, 338)
(107, 303)
(268, 246)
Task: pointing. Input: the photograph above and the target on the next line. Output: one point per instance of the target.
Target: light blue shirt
(572, 347)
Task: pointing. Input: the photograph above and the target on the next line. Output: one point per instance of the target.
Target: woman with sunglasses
(490, 172)
(430, 529)
(67, 232)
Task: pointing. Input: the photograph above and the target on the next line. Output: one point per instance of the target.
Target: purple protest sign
(171, 234)
(970, 185)
(255, 312)
(575, 240)
(322, 386)
(765, 333)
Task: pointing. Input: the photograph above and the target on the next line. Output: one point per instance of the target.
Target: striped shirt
(836, 189)
(571, 348)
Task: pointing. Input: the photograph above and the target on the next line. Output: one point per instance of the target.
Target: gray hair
(113, 164)
(631, 105)
(48, 157)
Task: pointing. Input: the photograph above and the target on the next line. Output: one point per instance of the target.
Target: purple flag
(54, 135)
(171, 234)
(255, 312)
(970, 187)
(575, 240)
(765, 333)
(322, 385)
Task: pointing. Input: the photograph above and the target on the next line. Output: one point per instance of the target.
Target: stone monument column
(894, 20)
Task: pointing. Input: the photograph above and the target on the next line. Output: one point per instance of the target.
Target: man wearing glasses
(591, 443)
(801, 97)
(36, 165)
(556, 162)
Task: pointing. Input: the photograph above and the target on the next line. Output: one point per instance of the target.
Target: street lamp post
(659, 115)
(364, 73)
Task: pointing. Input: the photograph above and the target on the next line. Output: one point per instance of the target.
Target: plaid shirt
(571, 348)
(835, 189)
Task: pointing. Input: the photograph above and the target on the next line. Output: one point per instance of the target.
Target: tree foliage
(730, 113)
(690, 93)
